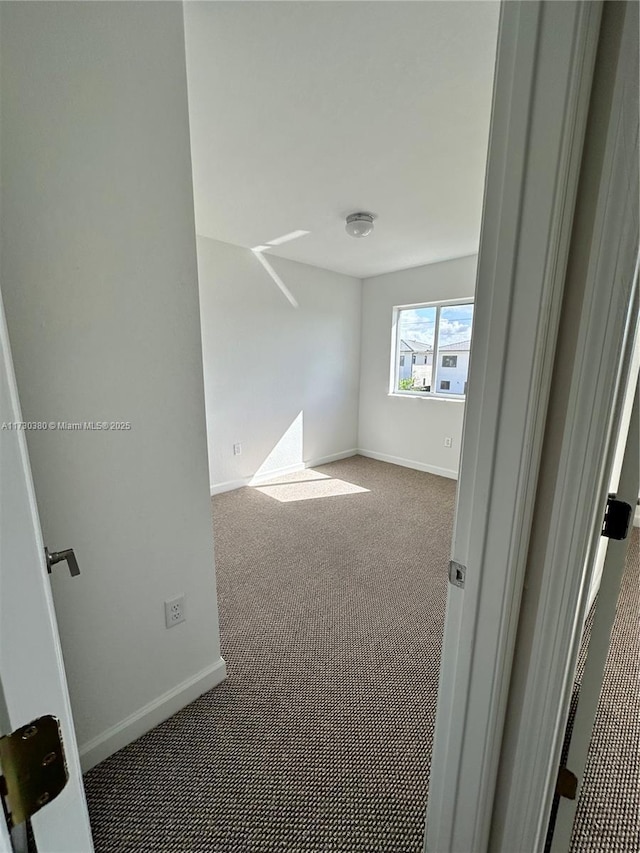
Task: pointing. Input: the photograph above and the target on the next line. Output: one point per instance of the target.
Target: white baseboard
(410, 463)
(257, 479)
(146, 718)
(229, 486)
(334, 457)
(265, 476)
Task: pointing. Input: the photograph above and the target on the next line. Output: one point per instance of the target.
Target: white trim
(544, 69)
(438, 303)
(257, 479)
(396, 339)
(333, 457)
(228, 486)
(636, 517)
(429, 395)
(155, 712)
(576, 482)
(410, 463)
(265, 476)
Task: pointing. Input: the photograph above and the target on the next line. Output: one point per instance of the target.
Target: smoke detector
(359, 224)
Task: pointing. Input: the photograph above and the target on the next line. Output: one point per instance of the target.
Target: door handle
(62, 556)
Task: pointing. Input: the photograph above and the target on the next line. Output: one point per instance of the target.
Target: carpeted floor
(331, 617)
(331, 614)
(608, 815)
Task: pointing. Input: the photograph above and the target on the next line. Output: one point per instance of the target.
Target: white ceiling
(304, 112)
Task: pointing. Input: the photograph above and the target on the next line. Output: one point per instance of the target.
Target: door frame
(602, 302)
(544, 72)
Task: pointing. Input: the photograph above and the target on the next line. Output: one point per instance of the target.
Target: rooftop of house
(457, 346)
(410, 345)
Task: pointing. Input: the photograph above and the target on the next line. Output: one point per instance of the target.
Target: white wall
(100, 286)
(401, 429)
(279, 379)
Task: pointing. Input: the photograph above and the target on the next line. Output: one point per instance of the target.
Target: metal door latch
(34, 770)
(61, 556)
(617, 518)
(457, 574)
(566, 784)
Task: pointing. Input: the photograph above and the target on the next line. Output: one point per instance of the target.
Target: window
(439, 339)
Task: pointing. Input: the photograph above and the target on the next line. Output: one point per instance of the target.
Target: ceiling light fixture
(359, 224)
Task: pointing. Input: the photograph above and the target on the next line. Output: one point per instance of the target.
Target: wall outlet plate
(174, 611)
(237, 449)
(447, 442)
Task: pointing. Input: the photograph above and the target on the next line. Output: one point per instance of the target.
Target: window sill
(449, 398)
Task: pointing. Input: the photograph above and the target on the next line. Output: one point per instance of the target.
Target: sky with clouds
(418, 324)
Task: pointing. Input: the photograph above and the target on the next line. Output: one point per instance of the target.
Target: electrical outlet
(237, 449)
(174, 611)
(447, 441)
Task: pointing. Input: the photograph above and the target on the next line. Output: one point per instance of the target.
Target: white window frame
(394, 391)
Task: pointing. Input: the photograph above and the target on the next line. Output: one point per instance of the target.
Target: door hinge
(457, 574)
(567, 784)
(617, 519)
(34, 770)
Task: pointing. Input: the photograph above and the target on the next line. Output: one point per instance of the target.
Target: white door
(600, 639)
(32, 677)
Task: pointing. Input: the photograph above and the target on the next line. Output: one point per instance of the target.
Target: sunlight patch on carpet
(306, 485)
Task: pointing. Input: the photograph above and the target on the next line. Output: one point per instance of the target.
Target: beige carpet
(608, 812)
(331, 616)
(608, 815)
(332, 587)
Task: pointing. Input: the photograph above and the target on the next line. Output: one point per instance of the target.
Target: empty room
(337, 227)
(295, 416)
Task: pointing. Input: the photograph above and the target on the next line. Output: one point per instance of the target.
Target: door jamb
(605, 273)
(545, 61)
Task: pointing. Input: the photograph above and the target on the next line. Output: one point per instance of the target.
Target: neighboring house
(453, 368)
(416, 362)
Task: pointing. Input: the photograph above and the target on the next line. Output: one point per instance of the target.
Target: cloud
(419, 324)
(454, 330)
